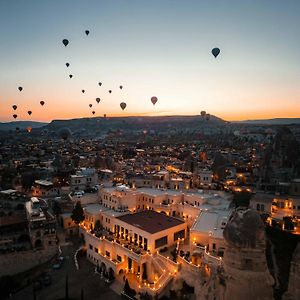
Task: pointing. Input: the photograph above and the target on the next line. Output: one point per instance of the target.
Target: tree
(56, 208)
(98, 226)
(241, 198)
(128, 290)
(67, 288)
(77, 213)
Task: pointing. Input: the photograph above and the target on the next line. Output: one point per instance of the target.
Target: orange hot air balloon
(29, 129)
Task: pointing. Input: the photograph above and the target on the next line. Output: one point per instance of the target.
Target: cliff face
(245, 267)
(293, 291)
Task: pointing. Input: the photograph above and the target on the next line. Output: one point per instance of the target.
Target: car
(61, 259)
(56, 266)
(47, 280)
(37, 285)
(78, 194)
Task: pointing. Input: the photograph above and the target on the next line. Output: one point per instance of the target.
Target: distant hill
(276, 121)
(135, 123)
(21, 125)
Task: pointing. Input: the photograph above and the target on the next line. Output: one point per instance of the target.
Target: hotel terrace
(148, 235)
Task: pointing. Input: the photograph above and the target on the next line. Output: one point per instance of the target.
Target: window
(247, 264)
(119, 258)
(161, 242)
(91, 247)
(178, 234)
(96, 250)
(107, 253)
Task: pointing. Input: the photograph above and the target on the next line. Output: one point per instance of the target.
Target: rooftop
(43, 182)
(150, 221)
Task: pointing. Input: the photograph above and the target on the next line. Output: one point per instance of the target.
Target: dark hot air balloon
(110, 91)
(70, 75)
(203, 113)
(67, 64)
(15, 116)
(215, 52)
(90, 105)
(123, 105)
(93, 112)
(29, 112)
(42, 102)
(20, 88)
(121, 86)
(154, 100)
(98, 100)
(104, 115)
(14, 107)
(65, 42)
(83, 91)
(100, 83)
(65, 133)
(87, 32)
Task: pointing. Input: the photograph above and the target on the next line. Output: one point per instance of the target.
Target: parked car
(47, 280)
(37, 285)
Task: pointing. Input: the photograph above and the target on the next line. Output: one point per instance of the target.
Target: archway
(38, 244)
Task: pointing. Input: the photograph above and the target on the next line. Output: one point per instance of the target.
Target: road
(84, 278)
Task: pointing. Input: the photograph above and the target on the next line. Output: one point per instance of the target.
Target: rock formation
(245, 267)
(293, 291)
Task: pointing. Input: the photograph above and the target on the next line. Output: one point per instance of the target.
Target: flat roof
(150, 221)
(211, 221)
(43, 182)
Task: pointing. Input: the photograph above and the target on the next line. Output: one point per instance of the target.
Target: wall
(13, 263)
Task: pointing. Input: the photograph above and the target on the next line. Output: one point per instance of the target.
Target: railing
(210, 259)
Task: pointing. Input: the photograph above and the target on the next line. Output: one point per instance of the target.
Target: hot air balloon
(104, 115)
(29, 112)
(87, 32)
(110, 91)
(14, 107)
(42, 102)
(215, 52)
(15, 116)
(70, 75)
(98, 100)
(100, 83)
(67, 64)
(65, 133)
(123, 105)
(121, 86)
(65, 42)
(20, 88)
(154, 100)
(90, 105)
(29, 129)
(93, 112)
(203, 113)
(83, 91)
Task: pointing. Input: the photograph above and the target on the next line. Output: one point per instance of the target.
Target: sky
(156, 48)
